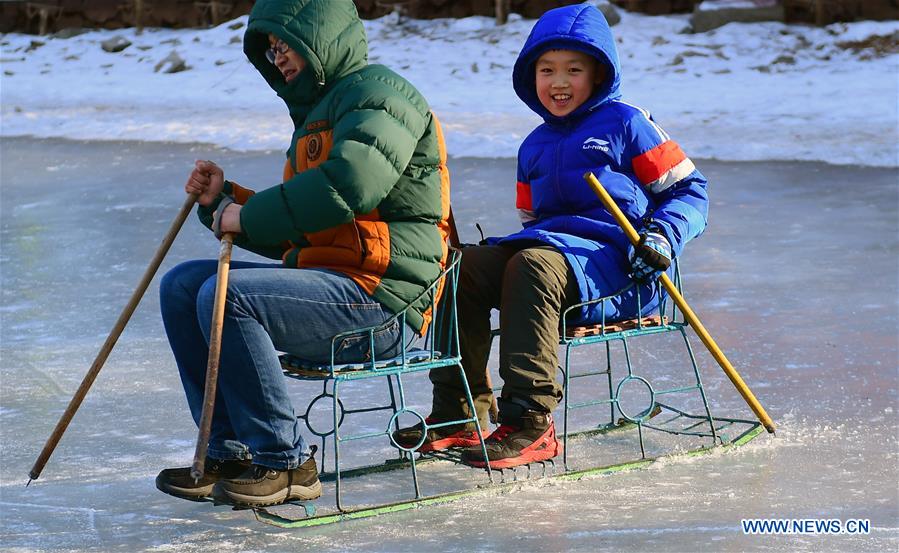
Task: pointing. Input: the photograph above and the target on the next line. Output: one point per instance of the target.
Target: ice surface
(741, 92)
(795, 278)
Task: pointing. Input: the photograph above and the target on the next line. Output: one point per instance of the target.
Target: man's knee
(206, 298)
(182, 281)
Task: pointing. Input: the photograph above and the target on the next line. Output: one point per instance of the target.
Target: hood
(580, 27)
(328, 34)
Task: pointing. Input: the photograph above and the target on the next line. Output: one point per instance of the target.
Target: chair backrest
(666, 312)
(442, 336)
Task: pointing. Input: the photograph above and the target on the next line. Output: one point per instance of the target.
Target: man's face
(566, 79)
(288, 62)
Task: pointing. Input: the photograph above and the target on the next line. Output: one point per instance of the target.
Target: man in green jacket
(359, 222)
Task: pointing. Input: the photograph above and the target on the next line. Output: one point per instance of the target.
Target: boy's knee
(539, 263)
(477, 261)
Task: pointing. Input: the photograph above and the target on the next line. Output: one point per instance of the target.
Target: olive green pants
(530, 286)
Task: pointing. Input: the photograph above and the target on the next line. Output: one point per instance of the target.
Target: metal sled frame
(443, 331)
(268, 516)
(668, 319)
(657, 416)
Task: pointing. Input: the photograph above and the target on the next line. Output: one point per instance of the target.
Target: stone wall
(53, 15)
(47, 16)
(657, 7)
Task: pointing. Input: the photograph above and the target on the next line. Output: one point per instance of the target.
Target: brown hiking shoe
(180, 483)
(444, 437)
(260, 486)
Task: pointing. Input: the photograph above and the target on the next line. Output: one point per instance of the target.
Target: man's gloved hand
(651, 257)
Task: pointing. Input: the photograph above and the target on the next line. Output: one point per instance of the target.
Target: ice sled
(633, 394)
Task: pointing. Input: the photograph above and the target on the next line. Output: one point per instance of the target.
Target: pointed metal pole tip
(28, 483)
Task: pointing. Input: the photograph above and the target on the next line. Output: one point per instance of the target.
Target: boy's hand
(651, 257)
(207, 180)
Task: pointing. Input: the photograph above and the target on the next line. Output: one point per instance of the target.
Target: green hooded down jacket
(366, 188)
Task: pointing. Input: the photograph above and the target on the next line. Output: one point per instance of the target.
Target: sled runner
(306, 514)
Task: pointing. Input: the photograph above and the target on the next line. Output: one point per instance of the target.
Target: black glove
(651, 257)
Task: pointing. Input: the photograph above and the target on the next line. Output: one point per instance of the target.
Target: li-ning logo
(596, 144)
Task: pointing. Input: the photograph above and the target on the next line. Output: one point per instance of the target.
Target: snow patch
(763, 91)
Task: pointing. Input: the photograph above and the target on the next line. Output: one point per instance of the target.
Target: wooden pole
(111, 340)
(691, 317)
(215, 350)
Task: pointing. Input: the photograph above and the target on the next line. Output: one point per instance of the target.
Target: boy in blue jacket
(570, 249)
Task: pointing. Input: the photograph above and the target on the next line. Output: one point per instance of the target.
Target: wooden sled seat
(621, 326)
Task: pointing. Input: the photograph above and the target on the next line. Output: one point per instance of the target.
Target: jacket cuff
(205, 212)
(665, 230)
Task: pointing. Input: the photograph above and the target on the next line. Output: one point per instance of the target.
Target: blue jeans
(268, 309)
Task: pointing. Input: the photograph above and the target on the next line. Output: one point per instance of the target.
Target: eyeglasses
(280, 47)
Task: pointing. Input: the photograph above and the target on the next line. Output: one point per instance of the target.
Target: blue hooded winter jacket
(647, 173)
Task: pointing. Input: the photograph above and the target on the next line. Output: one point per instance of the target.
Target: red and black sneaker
(444, 437)
(529, 439)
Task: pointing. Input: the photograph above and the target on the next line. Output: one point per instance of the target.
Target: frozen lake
(796, 278)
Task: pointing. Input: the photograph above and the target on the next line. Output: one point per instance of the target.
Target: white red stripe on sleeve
(663, 166)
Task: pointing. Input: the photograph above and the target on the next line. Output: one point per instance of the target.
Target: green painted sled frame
(441, 351)
(268, 517)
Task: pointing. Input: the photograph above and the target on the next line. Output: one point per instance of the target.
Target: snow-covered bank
(741, 92)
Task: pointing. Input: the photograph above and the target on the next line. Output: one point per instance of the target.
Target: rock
(784, 59)
(877, 45)
(236, 25)
(706, 20)
(35, 44)
(70, 32)
(679, 58)
(174, 62)
(611, 14)
(115, 44)
(235, 40)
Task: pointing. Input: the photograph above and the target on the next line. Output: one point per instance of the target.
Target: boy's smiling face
(288, 62)
(566, 79)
